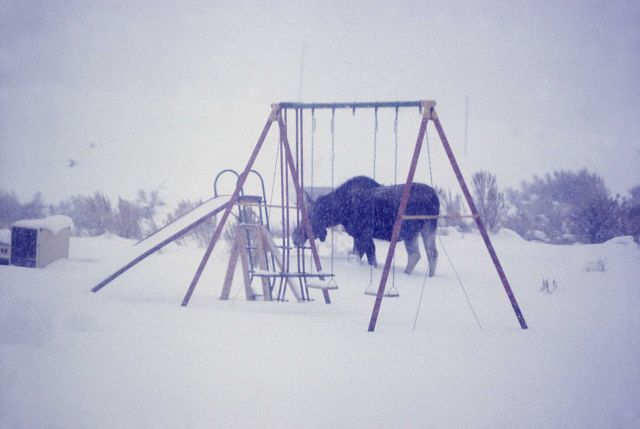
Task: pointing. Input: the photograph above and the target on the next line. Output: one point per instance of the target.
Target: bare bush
(11, 209)
(452, 207)
(567, 207)
(489, 200)
(203, 233)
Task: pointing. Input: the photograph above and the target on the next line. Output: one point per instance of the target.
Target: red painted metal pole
(275, 109)
(426, 115)
(481, 227)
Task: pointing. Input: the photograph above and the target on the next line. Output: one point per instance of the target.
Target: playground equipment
(291, 173)
(427, 108)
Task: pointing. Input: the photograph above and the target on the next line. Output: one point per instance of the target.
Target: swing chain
(333, 158)
(375, 142)
(313, 142)
(395, 181)
(375, 156)
(395, 155)
(426, 138)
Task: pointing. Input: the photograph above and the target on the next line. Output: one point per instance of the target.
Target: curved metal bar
(215, 181)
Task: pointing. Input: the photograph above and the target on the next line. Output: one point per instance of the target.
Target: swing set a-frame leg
(426, 114)
(429, 113)
(479, 223)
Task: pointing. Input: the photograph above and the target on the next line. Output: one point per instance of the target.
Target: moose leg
(429, 239)
(371, 253)
(367, 247)
(413, 254)
(357, 251)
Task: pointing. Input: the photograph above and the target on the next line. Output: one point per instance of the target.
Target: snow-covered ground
(130, 356)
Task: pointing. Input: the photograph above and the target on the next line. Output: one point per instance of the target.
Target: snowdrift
(130, 356)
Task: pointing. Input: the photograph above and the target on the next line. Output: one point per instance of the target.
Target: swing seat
(318, 283)
(388, 293)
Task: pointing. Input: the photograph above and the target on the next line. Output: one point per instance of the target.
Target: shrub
(549, 287)
(630, 214)
(598, 265)
(452, 207)
(127, 219)
(92, 215)
(566, 207)
(203, 233)
(11, 209)
(489, 201)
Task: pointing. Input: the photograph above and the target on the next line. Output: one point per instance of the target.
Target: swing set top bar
(358, 105)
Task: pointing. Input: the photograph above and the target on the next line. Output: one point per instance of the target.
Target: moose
(368, 210)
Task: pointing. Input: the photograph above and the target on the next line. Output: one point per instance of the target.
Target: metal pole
(275, 109)
(282, 288)
(300, 166)
(426, 115)
(481, 227)
(299, 195)
(300, 202)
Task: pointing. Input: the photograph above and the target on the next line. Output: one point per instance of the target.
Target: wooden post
(231, 270)
(239, 250)
(243, 247)
(261, 256)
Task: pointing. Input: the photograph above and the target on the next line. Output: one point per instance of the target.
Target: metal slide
(169, 233)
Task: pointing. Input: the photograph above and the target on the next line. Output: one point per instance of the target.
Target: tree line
(96, 214)
(562, 207)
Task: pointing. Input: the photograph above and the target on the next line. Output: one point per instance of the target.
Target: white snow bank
(55, 223)
(5, 236)
(131, 356)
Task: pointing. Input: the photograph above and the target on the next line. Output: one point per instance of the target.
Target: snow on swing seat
(391, 292)
(320, 282)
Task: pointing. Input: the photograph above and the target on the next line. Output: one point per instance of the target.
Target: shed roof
(54, 224)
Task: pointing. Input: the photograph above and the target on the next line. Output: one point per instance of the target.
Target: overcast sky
(163, 95)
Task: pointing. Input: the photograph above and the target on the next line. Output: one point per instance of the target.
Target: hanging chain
(313, 142)
(375, 142)
(375, 156)
(426, 137)
(426, 274)
(424, 281)
(395, 182)
(313, 149)
(395, 155)
(333, 157)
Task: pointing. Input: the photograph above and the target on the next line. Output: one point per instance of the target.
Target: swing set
(254, 245)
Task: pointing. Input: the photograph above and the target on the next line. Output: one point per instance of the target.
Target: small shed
(38, 242)
(5, 246)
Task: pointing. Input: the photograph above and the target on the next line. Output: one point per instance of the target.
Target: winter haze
(141, 95)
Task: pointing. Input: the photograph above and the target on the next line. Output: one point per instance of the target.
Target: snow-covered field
(130, 356)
